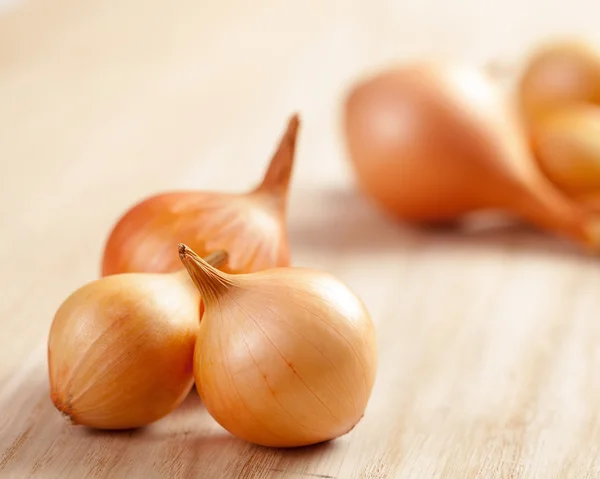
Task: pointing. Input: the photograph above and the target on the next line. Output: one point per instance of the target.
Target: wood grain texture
(489, 364)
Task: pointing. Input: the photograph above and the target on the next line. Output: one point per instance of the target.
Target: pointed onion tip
(294, 121)
(291, 131)
(277, 176)
(182, 250)
(210, 281)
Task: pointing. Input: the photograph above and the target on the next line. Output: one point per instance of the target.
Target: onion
(567, 145)
(250, 226)
(432, 143)
(558, 74)
(120, 348)
(285, 357)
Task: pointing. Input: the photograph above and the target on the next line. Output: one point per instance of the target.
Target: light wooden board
(489, 358)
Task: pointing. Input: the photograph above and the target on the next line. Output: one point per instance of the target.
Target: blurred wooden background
(489, 365)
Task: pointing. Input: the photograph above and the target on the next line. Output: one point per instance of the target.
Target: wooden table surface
(488, 339)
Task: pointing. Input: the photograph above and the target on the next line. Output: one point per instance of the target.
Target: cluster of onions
(432, 142)
(280, 356)
(559, 92)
